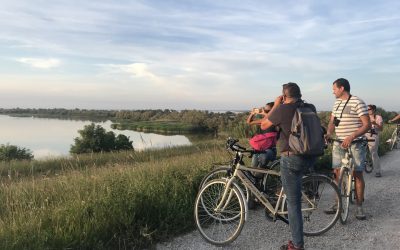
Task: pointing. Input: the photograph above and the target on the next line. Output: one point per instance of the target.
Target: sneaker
(378, 175)
(360, 213)
(290, 246)
(331, 210)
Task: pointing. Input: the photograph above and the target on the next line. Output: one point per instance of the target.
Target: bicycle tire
(223, 226)
(369, 167)
(345, 188)
(319, 193)
(393, 142)
(223, 172)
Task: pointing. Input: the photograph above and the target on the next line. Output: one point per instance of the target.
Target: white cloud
(42, 63)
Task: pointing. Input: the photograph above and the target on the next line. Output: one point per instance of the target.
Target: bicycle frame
(276, 211)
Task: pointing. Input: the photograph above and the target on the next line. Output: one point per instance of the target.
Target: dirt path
(381, 230)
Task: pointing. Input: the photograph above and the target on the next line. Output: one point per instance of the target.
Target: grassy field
(107, 201)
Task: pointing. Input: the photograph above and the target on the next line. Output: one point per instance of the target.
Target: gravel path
(381, 230)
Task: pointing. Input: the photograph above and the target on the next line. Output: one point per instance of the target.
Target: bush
(10, 152)
(96, 139)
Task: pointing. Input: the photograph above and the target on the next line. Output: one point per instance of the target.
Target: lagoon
(48, 138)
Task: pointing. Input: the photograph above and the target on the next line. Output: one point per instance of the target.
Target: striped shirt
(350, 121)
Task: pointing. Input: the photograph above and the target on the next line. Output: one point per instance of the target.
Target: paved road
(381, 230)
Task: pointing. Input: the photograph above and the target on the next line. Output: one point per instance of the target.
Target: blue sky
(195, 54)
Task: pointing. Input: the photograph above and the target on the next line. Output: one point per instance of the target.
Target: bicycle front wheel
(219, 219)
(319, 194)
(221, 173)
(345, 189)
(393, 140)
(368, 164)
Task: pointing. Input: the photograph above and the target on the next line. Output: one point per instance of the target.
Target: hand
(347, 141)
(278, 101)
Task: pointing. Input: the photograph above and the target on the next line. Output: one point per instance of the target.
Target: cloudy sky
(203, 54)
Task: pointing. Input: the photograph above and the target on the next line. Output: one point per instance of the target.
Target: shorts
(358, 150)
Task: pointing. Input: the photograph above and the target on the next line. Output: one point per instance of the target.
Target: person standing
(292, 166)
(349, 120)
(373, 134)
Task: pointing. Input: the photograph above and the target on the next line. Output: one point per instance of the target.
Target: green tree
(10, 152)
(96, 139)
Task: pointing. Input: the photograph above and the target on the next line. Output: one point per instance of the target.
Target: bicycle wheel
(368, 164)
(219, 222)
(223, 172)
(393, 140)
(319, 194)
(345, 188)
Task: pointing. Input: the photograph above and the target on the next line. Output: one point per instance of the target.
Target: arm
(255, 122)
(331, 128)
(397, 117)
(366, 125)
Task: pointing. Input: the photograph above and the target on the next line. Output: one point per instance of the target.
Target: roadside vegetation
(114, 200)
(121, 200)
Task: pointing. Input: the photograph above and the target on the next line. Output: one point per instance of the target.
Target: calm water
(54, 137)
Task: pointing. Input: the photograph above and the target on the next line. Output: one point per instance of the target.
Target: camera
(256, 110)
(336, 121)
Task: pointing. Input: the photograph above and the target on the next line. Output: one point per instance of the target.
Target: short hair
(271, 104)
(341, 82)
(372, 106)
(292, 90)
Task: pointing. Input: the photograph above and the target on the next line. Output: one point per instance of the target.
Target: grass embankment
(123, 205)
(107, 201)
(166, 127)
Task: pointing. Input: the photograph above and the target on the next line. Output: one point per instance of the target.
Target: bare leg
(360, 185)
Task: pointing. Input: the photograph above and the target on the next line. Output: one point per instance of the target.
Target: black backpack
(306, 134)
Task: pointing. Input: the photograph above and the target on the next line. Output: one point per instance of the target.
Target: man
(373, 134)
(292, 165)
(350, 120)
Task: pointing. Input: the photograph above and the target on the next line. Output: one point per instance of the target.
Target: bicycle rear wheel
(319, 194)
(219, 222)
(220, 173)
(345, 188)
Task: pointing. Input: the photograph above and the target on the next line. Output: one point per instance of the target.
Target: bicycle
(395, 138)
(224, 171)
(220, 211)
(346, 182)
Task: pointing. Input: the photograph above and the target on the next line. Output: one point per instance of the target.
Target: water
(54, 137)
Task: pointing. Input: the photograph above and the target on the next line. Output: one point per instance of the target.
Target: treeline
(197, 120)
(61, 113)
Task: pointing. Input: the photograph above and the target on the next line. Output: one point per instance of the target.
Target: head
(291, 90)
(268, 107)
(371, 109)
(340, 87)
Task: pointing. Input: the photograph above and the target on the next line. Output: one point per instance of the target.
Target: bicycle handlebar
(232, 144)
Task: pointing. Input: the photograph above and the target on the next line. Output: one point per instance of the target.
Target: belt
(287, 153)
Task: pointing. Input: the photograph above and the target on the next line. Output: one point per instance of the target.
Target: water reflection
(54, 137)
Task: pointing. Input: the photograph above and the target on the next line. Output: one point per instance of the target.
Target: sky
(203, 54)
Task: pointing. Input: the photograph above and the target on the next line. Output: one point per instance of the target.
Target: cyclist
(349, 120)
(373, 133)
(395, 119)
(292, 165)
(261, 160)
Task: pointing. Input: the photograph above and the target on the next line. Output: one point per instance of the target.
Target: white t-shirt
(350, 120)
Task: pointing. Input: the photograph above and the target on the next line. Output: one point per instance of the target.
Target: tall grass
(104, 208)
(108, 201)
